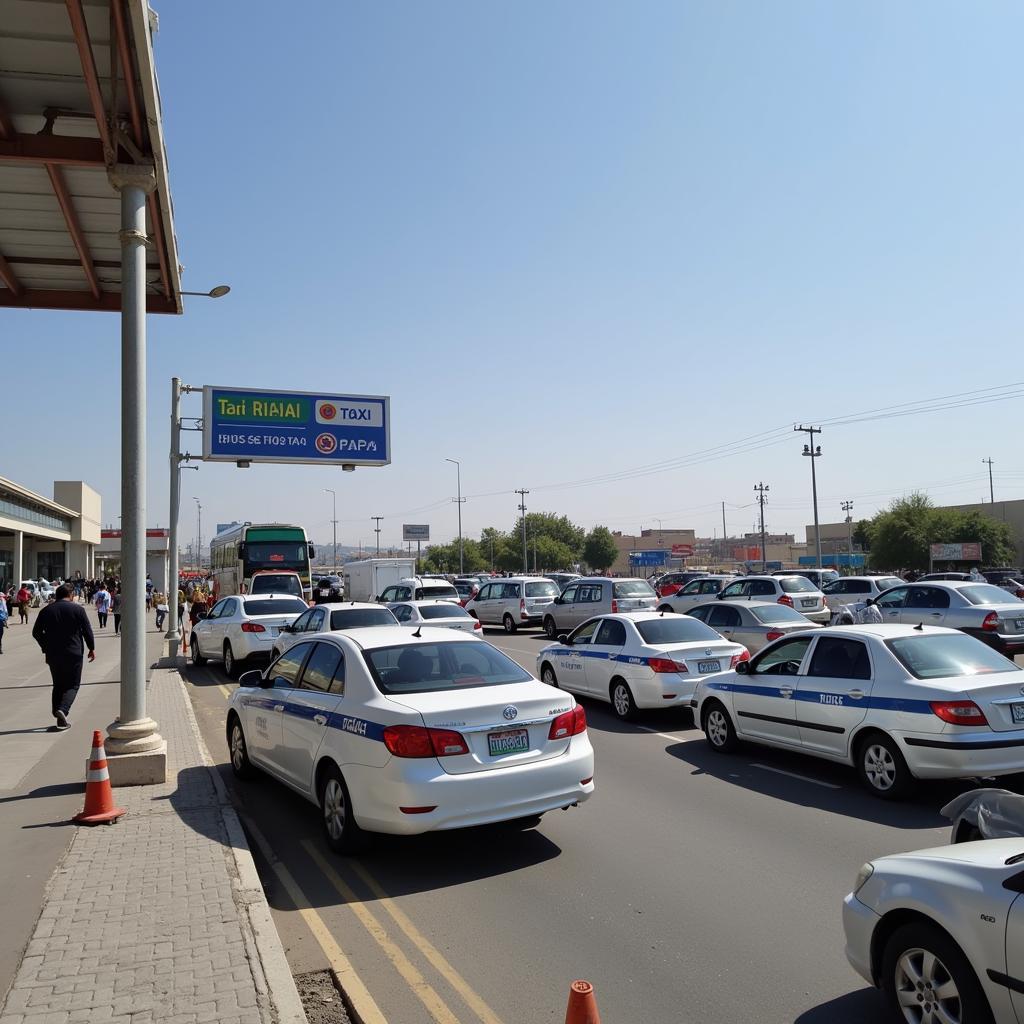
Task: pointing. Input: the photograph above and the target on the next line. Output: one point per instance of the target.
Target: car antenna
(418, 634)
(920, 627)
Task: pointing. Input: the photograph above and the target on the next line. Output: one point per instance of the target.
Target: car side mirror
(254, 677)
(720, 595)
(558, 600)
(743, 668)
(563, 638)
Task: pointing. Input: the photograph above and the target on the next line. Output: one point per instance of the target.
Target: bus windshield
(275, 554)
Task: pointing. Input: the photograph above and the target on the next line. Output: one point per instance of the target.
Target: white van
(513, 602)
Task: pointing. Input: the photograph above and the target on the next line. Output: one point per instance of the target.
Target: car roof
(521, 579)
(264, 597)
(372, 637)
(882, 631)
(423, 603)
(610, 579)
(337, 606)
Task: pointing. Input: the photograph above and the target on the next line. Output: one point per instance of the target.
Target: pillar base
(136, 737)
(146, 769)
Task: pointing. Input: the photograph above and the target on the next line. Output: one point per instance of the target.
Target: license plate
(707, 667)
(325, 593)
(515, 741)
(1019, 623)
(274, 630)
(1018, 712)
(808, 603)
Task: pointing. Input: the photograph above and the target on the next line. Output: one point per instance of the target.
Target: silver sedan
(434, 613)
(696, 592)
(751, 623)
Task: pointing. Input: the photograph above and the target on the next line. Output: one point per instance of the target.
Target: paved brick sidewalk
(160, 917)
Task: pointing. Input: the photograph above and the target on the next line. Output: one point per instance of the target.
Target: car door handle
(786, 691)
(936, 615)
(856, 694)
(320, 719)
(279, 707)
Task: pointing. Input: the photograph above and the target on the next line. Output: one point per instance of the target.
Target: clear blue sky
(569, 239)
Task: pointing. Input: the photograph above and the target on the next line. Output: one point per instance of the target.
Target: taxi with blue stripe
(638, 660)
(900, 703)
(404, 732)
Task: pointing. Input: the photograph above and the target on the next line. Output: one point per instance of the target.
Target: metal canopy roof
(68, 114)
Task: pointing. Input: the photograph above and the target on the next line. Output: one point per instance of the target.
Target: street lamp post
(459, 500)
(199, 533)
(334, 524)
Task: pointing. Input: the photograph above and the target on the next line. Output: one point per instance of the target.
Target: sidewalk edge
(277, 981)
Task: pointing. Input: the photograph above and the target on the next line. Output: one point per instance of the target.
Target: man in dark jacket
(63, 632)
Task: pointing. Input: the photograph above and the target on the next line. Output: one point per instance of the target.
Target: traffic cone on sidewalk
(582, 1008)
(99, 797)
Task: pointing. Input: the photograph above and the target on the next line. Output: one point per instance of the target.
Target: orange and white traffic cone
(582, 1008)
(99, 797)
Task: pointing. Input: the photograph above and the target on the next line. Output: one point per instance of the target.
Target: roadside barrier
(99, 797)
(582, 1008)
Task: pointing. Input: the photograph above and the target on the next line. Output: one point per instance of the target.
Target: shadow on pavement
(858, 1007)
(210, 674)
(58, 789)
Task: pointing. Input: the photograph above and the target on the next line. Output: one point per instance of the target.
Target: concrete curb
(273, 976)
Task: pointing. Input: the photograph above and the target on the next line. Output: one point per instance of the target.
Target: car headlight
(866, 871)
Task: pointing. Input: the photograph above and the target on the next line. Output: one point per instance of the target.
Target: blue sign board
(255, 425)
(647, 557)
(833, 560)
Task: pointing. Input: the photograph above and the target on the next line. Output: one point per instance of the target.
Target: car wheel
(342, 833)
(547, 675)
(197, 658)
(550, 628)
(240, 763)
(883, 771)
(622, 700)
(926, 977)
(230, 663)
(509, 623)
(718, 728)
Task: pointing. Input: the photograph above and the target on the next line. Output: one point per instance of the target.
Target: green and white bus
(237, 553)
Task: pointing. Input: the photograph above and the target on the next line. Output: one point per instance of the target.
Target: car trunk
(1011, 616)
(466, 625)
(999, 697)
(272, 623)
(715, 656)
(479, 715)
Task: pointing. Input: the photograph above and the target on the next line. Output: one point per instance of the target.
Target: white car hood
(987, 853)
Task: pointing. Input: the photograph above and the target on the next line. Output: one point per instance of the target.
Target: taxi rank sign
(247, 425)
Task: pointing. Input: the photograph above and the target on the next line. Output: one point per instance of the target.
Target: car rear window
(282, 606)
(356, 618)
(675, 630)
(778, 613)
(634, 588)
(544, 589)
(796, 585)
(444, 611)
(428, 668)
(435, 592)
(465, 589)
(985, 593)
(887, 582)
(954, 654)
(276, 585)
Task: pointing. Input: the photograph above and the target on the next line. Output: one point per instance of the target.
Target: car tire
(197, 658)
(919, 960)
(231, 664)
(547, 675)
(508, 623)
(341, 830)
(718, 728)
(238, 750)
(550, 628)
(882, 768)
(622, 700)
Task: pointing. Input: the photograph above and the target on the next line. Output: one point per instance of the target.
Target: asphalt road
(692, 887)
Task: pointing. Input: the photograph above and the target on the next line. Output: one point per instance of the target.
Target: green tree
(900, 534)
(548, 524)
(862, 534)
(599, 548)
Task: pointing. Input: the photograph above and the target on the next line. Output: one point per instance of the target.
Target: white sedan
(898, 702)
(638, 660)
(390, 732)
(941, 932)
(241, 628)
(443, 614)
(327, 618)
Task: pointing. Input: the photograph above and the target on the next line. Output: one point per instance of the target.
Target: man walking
(23, 598)
(62, 630)
(102, 602)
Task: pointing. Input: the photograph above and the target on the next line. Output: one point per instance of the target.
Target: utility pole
(725, 536)
(522, 492)
(376, 530)
(762, 489)
(334, 523)
(847, 507)
(460, 499)
(813, 452)
(535, 553)
(199, 528)
(991, 489)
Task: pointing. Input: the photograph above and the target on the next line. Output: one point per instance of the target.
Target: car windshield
(985, 593)
(330, 581)
(444, 611)
(936, 656)
(430, 667)
(677, 629)
(284, 606)
(796, 585)
(543, 589)
(634, 588)
(777, 614)
(356, 618)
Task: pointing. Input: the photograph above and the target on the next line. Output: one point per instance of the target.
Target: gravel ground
(320, 999)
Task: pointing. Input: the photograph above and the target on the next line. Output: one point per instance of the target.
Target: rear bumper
(956, 756)
(1005, 643)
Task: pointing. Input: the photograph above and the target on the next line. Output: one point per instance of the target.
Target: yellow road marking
(433, 955)
(364, 1005)
(225, 691)
(423, 991)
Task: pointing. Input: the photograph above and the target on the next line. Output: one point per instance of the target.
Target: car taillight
(252, 627)
(786, 599)
(959, 712)
(1020, 592)
(571, 723)
(416, 741)
(477, 624)
(991, 621)
(773, 634)
(615, 606)
(742, 656)
(666, 665)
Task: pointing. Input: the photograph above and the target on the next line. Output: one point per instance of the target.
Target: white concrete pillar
(19, 557)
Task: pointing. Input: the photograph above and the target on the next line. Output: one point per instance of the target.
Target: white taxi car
(326, 618)
(638, 659)
(390, 732)
(898, 702)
